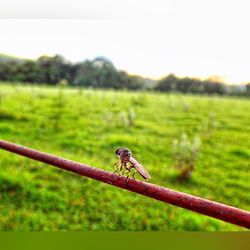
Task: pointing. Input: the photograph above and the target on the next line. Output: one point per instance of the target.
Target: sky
(151, 38)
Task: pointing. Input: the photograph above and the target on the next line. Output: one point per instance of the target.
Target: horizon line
(218, 77)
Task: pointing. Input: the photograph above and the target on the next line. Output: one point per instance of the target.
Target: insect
(127, 161)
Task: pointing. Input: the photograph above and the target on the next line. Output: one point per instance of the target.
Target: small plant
(80, 90)
(89, 92)
(170, 103)
(108, 117)
(212, 123)
(57, 109)
(63, 82)
(127, 119)
(139, 100)
(184, 105)
(185, 153)
(209, 125)
(131, 117)
(123, 119)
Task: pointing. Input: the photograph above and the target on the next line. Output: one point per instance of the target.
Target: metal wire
(203, 206)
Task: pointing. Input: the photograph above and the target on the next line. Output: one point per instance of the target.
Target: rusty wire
(203, 206)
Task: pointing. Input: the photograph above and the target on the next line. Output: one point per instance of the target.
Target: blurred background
(167, 79)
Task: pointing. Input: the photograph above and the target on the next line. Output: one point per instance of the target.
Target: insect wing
(142, 171)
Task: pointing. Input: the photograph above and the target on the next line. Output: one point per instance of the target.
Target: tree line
(101, 73)
(212, 85)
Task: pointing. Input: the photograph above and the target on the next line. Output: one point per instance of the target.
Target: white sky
(151, 38)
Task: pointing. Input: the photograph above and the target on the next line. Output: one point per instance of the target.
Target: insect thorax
(125, 155)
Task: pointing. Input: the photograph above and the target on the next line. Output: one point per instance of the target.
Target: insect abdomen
(141, 170)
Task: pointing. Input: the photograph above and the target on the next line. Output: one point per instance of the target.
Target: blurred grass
(71, 123)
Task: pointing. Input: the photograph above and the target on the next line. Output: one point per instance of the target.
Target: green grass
(73, 123)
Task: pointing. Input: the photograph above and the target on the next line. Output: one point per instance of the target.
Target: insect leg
(124, 169)
(127, 168)
(128, 176)
(116, 167)
(133, 175)
(128, 171)
(120, 167)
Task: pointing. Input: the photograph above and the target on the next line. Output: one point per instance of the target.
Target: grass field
(87, 126)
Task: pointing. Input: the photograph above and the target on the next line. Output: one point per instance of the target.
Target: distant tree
(51, 69)
(127, 81)
(105, 73)
(168, 83)
(5, 71)
(211, 87)
(190, 85)
(248, 89)
(101, 73)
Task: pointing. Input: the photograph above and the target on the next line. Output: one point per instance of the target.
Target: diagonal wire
(200, 205)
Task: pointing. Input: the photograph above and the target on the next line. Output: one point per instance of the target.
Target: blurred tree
(51, 69)
(190, 85)
(248, 89)
(168, 83)
(101, 73)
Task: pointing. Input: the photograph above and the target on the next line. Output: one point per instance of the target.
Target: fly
(127, 161)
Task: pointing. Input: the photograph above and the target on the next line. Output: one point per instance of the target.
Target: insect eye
(118, 151)
(127, 152)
